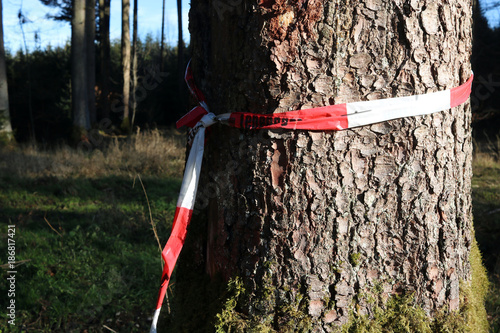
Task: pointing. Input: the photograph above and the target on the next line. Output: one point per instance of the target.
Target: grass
(84, 233)
(486, 208)
(87, 253)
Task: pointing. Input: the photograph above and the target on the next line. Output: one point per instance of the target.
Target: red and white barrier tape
(327, 118)
(350, 115)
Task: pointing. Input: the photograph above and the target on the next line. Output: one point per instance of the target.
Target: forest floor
(87, 258)
(486, 210)
(86, 249)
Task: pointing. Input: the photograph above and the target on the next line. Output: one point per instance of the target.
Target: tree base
(79, 134)
(223, 307)
(125, 126)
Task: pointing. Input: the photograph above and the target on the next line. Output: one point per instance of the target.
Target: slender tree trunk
(134, 65)
(79, 78)
(22, 21)
(162, 41)
(90, 39)
(105, 55)
(126, 64)
(180, 53)
(5, 126)
(317, 225)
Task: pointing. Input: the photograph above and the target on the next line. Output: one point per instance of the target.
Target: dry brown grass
(150, 152)
(484, 160)
(487, 152)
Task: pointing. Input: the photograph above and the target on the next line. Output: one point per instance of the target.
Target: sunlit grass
(150, 152)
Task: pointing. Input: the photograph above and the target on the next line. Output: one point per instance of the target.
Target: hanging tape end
(154, 324)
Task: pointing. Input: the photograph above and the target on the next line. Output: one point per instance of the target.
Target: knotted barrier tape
(326, 118)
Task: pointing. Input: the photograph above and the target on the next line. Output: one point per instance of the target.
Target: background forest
(88, 199)
(41, 107)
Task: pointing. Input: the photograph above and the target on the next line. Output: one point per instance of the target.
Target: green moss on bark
(229, 318)
(399, 314)
(355, 259)
(474, 292)
(290, 316)
(402, 314)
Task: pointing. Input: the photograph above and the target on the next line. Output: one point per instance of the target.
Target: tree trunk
(105, 55)
(126, 63)
(162, 41)
(79, 79)
(180, 54)
(316, 225)
(5, 126)
(90, 39)
(134, 65)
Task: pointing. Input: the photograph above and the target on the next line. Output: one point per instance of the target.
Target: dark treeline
(40, 91)
(485, 97)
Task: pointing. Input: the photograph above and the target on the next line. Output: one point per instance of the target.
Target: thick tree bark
(5, 126)
(105, 55)
(90, 39)
(126, 63)
(79, 78)
(323, 220)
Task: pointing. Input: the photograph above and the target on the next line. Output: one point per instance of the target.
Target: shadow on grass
(486, 209)
(97, 263)
(110, 189)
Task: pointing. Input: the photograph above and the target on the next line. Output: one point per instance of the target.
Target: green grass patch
(101, 260)
(493, 304)
(486, 209)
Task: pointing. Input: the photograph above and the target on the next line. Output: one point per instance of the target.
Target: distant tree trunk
(317, 225)
(126, 64)
(134, 65)
(180, 53)
(5, 126)
(22, 21)
(90, 39)
(162, 41)
(105, 55)
(79, 78)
